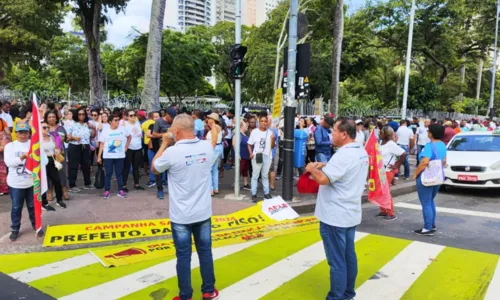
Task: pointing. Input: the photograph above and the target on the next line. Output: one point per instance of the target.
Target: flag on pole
(379, 192)
(36, 164)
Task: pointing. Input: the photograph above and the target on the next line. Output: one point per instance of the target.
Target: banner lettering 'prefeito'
(155, 249)
(113, 231)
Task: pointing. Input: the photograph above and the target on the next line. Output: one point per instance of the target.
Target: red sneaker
(179, 298)
(211, 296)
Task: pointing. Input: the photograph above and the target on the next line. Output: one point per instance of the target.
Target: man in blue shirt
(199, 127)
(323, 141)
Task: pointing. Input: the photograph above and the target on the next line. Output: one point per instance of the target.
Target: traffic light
(237, 66)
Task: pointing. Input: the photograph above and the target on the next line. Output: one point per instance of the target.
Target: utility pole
(494, 67)
(408, 61)
(237, 109)
(288, 139)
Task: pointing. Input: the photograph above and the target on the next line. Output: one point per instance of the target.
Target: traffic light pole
(237, 108)
(290, 108)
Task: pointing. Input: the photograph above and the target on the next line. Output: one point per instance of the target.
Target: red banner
(378, 187)
(34, 165)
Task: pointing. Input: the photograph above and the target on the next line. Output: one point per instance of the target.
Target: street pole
(288, 139)
(237, 104)
(408, 61)
(494, 67)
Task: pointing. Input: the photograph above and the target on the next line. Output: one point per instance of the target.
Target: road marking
(136, 281)
(392, 281)
(451, 210)
(493, 292)
(266, 280)
(54, 268)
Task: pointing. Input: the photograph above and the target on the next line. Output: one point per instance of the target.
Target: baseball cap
(359, 121)
(141, 113)
(22, 127)
(171, 111)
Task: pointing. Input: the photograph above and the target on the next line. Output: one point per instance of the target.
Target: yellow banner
(155, 249)
(278, 100)
(114, 231)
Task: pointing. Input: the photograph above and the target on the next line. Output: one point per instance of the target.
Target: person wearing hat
(449, 132)
(360, 136)
(214, 135)
(323, 140)
(19, 180)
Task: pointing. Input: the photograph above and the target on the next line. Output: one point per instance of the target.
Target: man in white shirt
(190, 207)
(405, 141)
(229, 120)
(360, 136)
(5, 114)
(338, 206)
(422, 137)
(260, 145)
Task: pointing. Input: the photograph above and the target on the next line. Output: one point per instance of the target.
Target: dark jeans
(135, 158)
(280, 159)
(426, 195)
(109, 165)
(201, 231)
(18, 197)
(53, 176)
(341, 256)
(79, 155)
(406, 163)
(227, 150)
(157, 178)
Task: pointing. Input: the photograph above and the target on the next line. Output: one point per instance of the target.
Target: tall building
(263, 8)
(225, 10)
(248, 12)
(194, 12)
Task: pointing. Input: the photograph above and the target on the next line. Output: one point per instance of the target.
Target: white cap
(359, 121)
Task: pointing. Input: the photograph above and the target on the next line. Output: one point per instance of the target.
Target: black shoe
(247, 187)
(434, 228)
(125, 189)
(61, 204)
(268, 196)
(389, 218)
(420, 232)
(14, 235)
(40, 233)
(254, 199)
(48, 208)
(138, 187)
(381, 214)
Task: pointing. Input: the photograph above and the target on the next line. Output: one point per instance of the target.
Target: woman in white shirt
(393, 157)
(51, 149)
(214, 135)
(134, 155)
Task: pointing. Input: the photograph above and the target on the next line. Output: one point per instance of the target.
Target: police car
(473, 160)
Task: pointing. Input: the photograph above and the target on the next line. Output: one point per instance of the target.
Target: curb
(309, 207)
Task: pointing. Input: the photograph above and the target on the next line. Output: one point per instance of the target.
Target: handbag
(99, 177)
(57, 164)
(434, 172)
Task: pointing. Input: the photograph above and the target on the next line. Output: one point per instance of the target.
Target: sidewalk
(89, 207)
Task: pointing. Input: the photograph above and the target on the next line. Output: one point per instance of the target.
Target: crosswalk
(285, 267)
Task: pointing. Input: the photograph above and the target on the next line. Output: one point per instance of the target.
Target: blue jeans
(152, 177)
(341, 257)
(218, 151)
(323, 157)
(419, 149)
(201, 231)
(18, 197)
(426, 195)
(263, 171)
(406, 164)
(117, 165)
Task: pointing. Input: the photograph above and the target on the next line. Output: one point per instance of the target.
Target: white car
(473, 160)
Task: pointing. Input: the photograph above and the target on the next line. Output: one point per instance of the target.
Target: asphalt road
(466, 218)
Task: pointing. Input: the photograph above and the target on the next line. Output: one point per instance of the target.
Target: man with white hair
(189, 163)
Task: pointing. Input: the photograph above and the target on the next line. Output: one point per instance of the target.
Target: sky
(137, 14)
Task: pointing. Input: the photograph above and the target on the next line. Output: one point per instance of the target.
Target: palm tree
(400, 70)
(338, 34)
(151, 92)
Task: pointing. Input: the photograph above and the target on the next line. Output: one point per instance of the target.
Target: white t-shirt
(404, 135)
(7, 118)
(229, 122)
(360, 138)
(261, 141)
(114, 142)
(389, 152)
(423, 138)
(136, 132)
(18, 176)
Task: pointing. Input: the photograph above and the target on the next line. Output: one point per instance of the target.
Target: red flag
(378, 187)
(34, 164)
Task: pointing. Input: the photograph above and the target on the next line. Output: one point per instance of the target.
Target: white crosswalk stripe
(139, 280)
(54, 268)
(493, 292)
(394, 279)
(263, 282)
(451, 210)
